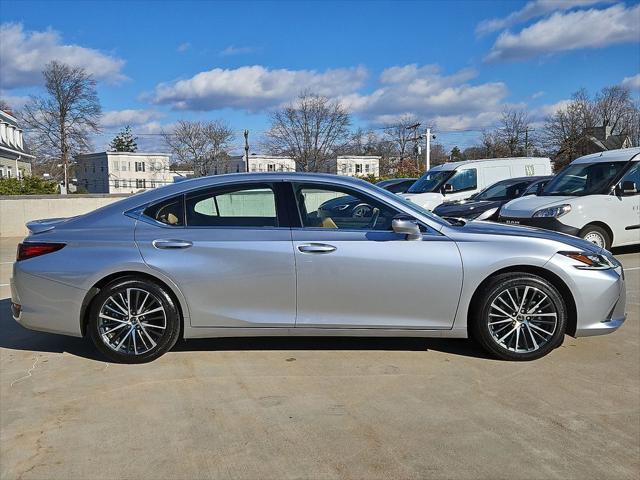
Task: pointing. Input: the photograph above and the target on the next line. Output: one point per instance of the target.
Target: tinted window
(503, 190)
(633, 175)
(241, 206)
(398, 187)
(430, 181)
(341, 208)
(464, 180)
(169, 212)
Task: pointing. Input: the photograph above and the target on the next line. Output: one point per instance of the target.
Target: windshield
(584, 179)
(430, 181)
(502, 190)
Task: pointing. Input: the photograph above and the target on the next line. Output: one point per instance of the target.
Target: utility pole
(526, 140)
(246, 149)
(427, 154)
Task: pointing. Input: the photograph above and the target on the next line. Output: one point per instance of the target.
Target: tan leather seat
(327, 222)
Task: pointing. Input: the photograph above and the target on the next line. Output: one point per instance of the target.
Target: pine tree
(124, 141)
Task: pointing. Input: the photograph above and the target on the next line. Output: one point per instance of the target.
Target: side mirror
(627, 188)
(408, 227)
(448, 188)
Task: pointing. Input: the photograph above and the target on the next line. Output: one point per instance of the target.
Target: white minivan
(460, 180)
(595, 197)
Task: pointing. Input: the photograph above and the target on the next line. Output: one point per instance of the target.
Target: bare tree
(4, 105)
(400, 136)
(200, 145)
(514, 132)
(62, 121)
(613, 107)
(310, 130)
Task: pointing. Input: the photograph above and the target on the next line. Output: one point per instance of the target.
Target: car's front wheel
(519, 316)
(134, 320)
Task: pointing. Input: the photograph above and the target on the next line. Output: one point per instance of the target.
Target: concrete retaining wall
(17, 210)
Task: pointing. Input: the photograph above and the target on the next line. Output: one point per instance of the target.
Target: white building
(259, 163)
(355, 165)
(124, 172)
(14, 158)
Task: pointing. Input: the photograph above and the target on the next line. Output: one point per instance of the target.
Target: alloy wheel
(132, 321)
(522, 319)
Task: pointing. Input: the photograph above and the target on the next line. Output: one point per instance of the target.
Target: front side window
(170, 212)
(241, 206)
(633, 175)
(464, 180)
(584, 179)
(503, 191)
(334, 207)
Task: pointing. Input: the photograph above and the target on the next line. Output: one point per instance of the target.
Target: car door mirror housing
(448, 188)
(627, 188)
(408, 227)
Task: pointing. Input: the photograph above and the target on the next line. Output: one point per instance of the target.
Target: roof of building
(123, 154)
(15, 150)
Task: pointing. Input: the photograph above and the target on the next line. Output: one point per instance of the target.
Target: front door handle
(316, 248)
(171, 244)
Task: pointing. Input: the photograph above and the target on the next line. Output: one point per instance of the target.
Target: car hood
(465, 208)
(490, 228)
(525, 207)
(429, 200)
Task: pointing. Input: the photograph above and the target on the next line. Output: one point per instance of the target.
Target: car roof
(453, 165)
(619, 155)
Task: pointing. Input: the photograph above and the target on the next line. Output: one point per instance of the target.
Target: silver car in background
(253, 254)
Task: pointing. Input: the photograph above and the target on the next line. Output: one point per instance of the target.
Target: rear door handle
(171, 244)
(316, 248)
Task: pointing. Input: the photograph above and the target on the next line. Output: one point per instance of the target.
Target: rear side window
(170, 212)
(241, 206)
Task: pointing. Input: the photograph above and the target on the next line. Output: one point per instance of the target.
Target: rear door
(229, 250)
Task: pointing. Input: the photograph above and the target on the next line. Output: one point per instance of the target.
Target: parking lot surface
(319, 407)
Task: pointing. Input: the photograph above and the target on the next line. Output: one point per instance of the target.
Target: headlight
(486, 214)
(591, 261)
(553, 212)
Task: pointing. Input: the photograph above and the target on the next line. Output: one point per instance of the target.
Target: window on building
(1, 172)
(115, 165)
(341, 208)
(140, 183)
(139, 166)
(237, 168)
(153, 184)
(240, 206)
(116, 183)
(8, 172)
(253, 168)
(366, 168)
(358, 168)
(271, 167)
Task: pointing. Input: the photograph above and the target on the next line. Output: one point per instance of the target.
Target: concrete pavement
(319, 408)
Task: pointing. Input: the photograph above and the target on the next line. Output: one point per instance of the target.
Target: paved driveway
(319, 408)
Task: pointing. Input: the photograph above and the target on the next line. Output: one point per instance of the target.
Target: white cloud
(233, 50)
(449, 100)
(121, 118)
(16, 102)
(533, 9)
(538, 94)
(23, 56)
(569, 31)
(183, 47)
(633, 82)
(254, 87)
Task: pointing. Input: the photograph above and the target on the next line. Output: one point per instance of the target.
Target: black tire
(596, 231)
(482, 332)
(166, 337)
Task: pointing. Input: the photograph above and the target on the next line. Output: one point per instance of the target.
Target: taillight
(31, 249)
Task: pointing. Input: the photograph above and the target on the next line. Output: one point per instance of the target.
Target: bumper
(546, 223)
(45, 305)
(599, 295)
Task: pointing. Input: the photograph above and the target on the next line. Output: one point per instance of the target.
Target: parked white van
(460, 180)
(595, 197)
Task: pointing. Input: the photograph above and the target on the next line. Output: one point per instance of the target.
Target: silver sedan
(268, 254)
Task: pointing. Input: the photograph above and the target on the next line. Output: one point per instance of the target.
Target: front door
(229, 252)
(353, 271)
(627, 221)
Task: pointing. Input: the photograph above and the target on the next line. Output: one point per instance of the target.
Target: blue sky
(453, 64)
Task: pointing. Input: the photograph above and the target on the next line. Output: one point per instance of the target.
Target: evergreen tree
(124, 141)
(456, 154)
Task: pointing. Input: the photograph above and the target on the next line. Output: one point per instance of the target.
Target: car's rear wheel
(596, 234)
(134, 321)
(519, 316)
